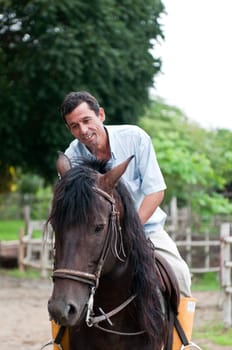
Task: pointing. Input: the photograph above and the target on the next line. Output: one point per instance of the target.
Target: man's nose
(83, 129)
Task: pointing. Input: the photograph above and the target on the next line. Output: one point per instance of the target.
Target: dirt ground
(24, 322)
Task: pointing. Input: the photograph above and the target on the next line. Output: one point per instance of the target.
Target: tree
(49, 48)
(196, 163)
(219, 150)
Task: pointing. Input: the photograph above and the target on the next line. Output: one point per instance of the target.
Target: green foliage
(40, 203)
(195, 162)
(29, 183)
(7, 178)
(49, 48)
(10, 206)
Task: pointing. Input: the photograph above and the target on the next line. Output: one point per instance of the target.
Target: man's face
(85, 125)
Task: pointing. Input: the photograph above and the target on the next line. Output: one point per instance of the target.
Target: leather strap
(59, 335)
(181, 332)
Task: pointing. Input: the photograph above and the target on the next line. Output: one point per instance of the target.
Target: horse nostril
(62, 312)
(71, 309)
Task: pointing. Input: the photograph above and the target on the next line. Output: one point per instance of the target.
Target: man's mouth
(86, 137)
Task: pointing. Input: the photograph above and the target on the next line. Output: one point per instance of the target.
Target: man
(84, 118)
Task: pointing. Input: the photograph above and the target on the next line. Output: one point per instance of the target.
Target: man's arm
(149, 205)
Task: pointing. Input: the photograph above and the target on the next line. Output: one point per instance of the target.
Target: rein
(93, 279)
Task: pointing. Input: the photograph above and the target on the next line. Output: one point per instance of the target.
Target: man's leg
(168, 249)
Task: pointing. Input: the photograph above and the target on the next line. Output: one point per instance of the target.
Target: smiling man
(86, 125)
(85, 119)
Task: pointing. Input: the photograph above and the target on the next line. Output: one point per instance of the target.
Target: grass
(9, 229)
(215, 332)
(206, 282)
(28, 273)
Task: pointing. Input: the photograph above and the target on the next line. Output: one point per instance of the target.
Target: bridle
(117, 248)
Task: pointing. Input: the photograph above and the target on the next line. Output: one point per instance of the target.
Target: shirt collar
(110, 136)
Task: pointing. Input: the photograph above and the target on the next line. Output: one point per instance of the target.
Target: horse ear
(63, 163)
(110, 179)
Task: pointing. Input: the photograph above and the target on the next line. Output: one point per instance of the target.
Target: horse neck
(115, 286)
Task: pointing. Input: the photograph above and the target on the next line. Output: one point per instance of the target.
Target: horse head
(85, 216)
(103, 264)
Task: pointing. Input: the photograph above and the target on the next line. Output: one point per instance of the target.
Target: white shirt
(143, 175)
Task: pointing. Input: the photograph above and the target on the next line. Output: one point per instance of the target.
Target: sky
(197, 60)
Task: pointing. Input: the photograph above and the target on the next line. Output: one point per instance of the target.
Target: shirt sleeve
(150, 174)
(73, 153)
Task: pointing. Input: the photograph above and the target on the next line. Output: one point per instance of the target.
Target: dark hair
(74, 99)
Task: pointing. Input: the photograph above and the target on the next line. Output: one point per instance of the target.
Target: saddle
(170, 290)
(168, 282)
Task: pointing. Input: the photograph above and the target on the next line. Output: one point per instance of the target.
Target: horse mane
(145, 282)
(75, 187)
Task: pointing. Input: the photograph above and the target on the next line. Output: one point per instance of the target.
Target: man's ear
(102, 116)
(67, 126)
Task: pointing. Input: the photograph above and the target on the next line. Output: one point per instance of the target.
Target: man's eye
(74, 127)
(99, 228)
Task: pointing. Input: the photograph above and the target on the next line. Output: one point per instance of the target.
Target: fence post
(26, 215)
(44, 259)
(226, 274)
(188, 247)
(21, 249)
(174, 216)
(207, 251)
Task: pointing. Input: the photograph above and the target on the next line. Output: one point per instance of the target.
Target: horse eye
(99, 228)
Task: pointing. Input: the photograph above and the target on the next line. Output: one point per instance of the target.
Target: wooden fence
(226, 272)
(34, 251)
(203, 253)
(189, 249)
(195, 249)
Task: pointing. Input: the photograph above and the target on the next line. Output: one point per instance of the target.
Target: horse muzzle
(66, 313)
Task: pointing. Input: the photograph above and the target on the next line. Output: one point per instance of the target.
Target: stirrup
(52, 342)
(190, 346)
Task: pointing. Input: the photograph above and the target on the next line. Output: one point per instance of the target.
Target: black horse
(106, 288)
